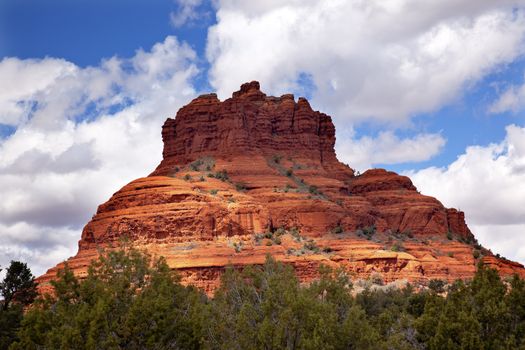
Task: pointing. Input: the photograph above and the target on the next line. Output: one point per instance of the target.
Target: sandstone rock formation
(256, 175)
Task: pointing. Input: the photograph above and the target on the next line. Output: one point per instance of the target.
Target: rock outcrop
(256, 175)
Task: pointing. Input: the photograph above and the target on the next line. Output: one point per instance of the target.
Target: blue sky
(85, 32)
(467, 121)
(430, 89)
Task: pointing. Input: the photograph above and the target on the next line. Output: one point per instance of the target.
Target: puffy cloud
(186, 13)
(487, 183)
(77, 157)
(386, 60)
(511, 100)
(81, 133)
(41, 247)
(387, 148)
(26, 78)
(507, 240)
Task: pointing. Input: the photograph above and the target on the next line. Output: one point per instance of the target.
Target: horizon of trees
(130, 301)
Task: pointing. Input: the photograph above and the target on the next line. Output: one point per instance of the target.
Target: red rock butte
(256, 175)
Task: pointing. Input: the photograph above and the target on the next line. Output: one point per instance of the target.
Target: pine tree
(18, 286)
(457, 327)
(490, 309)
(18, 289)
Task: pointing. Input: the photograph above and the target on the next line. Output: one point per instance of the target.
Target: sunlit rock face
(256, 175)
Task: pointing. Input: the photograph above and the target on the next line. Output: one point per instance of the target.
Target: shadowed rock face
(253, 163)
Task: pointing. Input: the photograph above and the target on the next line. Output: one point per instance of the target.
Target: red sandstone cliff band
(258, 174)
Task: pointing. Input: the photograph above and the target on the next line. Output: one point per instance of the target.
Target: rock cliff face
(257, 174)
(248, 124)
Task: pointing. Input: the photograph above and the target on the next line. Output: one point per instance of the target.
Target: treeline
(128, 301)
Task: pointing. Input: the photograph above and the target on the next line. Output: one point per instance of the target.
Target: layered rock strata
(256, 175)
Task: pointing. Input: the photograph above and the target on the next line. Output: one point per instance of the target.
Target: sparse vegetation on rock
(284, 150)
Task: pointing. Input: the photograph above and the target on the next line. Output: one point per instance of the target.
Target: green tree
(126, 301)
(130, 301)
(427, 323)
(18, 290)
(10, 320)
(490, 309)
(165, 314)
(264, 307)
(457, 327)
(437, 285)
(18, 286)
(515, 299)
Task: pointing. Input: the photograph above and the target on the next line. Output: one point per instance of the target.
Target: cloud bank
(81, 133)
(488, 184)
(387, 148)
(365, 59)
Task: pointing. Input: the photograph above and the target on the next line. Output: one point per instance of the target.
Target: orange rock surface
(256, 175)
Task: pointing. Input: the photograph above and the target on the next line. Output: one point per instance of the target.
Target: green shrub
(294, 231)
(397, 247)
(437, 285)
(195, 166)
(187, 177)
(240, 186)
(258, 237)
(222, 175)
(376, 278)
(214, 192)
(237, 246)
(338, 229)
(313, 189)
(280, 231)
(296, 252)
(311, 246)
(369, 231)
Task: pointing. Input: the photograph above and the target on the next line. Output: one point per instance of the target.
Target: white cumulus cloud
(382, 59)
(387, 148)
(511, 99)
(487, 182)
(81, 134)
(187, 12)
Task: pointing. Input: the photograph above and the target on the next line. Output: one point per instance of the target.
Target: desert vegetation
(130, 301)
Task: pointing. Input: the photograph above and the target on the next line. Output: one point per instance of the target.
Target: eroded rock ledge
(258, 174)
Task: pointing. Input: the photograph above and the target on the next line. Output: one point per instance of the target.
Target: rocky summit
(256, 175)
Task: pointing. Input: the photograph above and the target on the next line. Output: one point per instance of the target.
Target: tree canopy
(130, 301)
(18, 290)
